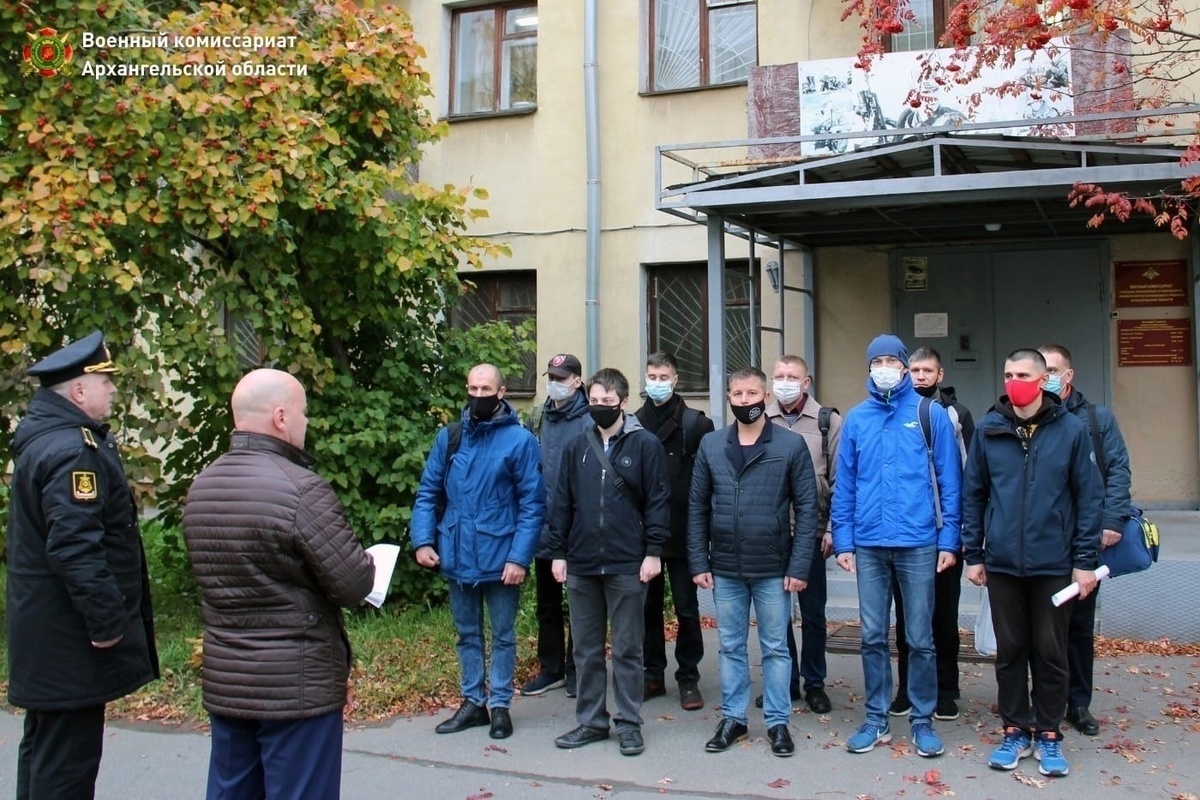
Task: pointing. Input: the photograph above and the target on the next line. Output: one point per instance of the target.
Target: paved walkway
(1149, 747)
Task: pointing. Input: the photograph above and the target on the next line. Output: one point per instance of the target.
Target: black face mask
(748, 415)
(604, 416)
(483, 407)
(925, 391)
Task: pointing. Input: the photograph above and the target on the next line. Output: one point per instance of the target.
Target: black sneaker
(900, 707)
(542, 683)
(631, 742)
(946, 709)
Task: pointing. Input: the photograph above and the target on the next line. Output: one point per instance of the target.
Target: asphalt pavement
(1149, 707)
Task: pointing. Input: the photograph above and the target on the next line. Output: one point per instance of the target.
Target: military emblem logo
(83, 486)
(46, 53)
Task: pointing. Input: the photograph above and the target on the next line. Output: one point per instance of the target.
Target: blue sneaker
(868, 736)
(927, 742)
(1016, 745)
(1048, 751)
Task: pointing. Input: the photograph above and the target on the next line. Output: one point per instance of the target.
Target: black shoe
(653, 688)
(690, 698)
(728, 733)
(818, 701)
(631, 742)
(900, 707)
(468, 715)
(758, 701)
(1083, 721)
(946, 709)
(581, 736)
(542, 683)
(501, 724)
(781, 741)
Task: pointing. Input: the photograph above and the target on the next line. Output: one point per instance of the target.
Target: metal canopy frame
(928, 188)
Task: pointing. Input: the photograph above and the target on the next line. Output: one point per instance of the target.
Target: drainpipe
(591, 121)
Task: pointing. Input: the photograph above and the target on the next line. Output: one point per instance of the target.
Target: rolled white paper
(1071, 591)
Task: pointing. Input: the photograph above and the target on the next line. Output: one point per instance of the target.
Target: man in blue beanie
(896, 515)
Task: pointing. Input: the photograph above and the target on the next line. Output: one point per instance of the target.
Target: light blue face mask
(1054, 384)
(659, 391)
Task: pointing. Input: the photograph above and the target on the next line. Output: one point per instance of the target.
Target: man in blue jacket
(896, 512)
(752, 525)
(1031, 524)
(477, 517)
(1113, 460)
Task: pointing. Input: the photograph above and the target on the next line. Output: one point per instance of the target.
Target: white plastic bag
(985, 634)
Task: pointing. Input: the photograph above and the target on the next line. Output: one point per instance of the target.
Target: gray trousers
(596, 601)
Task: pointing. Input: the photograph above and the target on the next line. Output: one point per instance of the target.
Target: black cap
(81, 357)
(564, 365)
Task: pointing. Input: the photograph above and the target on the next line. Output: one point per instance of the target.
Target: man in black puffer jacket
(276, 563)
(752, 522)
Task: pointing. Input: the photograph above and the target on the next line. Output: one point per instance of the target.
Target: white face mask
(786, 392)
(659, 391)
(558, 391)
(886, 378)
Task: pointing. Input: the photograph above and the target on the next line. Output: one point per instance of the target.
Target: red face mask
(1023, 393)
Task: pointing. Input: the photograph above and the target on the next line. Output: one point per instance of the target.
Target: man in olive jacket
(80, 626)
(276, 563)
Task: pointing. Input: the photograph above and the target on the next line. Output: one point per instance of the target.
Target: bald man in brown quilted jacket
(276, 563)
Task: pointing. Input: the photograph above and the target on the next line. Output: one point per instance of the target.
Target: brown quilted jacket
(276, 562)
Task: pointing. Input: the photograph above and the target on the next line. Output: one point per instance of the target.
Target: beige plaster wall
(853, 307)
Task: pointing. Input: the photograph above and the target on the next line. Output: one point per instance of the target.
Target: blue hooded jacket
(884, 497)
(494, 496)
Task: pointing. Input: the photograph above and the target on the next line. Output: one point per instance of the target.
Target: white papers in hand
(385, 556)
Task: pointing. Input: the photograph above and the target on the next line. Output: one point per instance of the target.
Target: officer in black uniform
(80, 627)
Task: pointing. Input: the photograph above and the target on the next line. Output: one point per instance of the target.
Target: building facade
(621, 231)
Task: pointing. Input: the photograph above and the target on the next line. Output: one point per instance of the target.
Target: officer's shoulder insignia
(88, 438)
(84, 486)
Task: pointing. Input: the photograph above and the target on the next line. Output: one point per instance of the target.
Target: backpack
(923, 415)
(823, 420)
(692, 418)
(1137, 548)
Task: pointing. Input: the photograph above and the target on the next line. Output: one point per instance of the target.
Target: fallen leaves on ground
(1109, 647)
(933, 783)
(779, 783)
(481, 796)
(1029, 780)
(1126, 748)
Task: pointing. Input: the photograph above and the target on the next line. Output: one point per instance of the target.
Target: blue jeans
(772, 607)
(466, 607)
(915, 568)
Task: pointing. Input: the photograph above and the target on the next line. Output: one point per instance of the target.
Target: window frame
(734, 268)
(705, 67)
(941, 12)
(499, 38)
(494, 280)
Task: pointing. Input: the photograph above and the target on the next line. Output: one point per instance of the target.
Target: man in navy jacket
(1031, 524)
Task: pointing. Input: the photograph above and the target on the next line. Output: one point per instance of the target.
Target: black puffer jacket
(598, 528)
(276, 561)
(76, 573)
(756, 519)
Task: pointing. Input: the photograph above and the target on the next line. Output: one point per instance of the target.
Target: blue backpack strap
(923, 414)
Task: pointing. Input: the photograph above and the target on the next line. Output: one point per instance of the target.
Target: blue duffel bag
(1136, 551)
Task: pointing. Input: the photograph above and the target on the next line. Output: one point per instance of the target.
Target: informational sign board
(1141, 284)
(1154, 342)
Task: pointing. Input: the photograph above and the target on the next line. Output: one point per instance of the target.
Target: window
(501, 297)
(924, 32)
(677, 301)
(701, 42)
(494, 59)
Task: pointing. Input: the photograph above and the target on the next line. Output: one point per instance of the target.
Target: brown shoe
(690, 698)
(653, 688)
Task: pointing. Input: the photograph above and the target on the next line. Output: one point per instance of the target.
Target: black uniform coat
(76, 570)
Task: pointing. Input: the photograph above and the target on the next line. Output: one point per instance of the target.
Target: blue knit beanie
(887, 345)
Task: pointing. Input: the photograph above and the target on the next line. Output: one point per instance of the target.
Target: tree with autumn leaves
(1149, 58)
(174, 212)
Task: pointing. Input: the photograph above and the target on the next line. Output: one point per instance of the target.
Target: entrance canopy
(937, 187)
